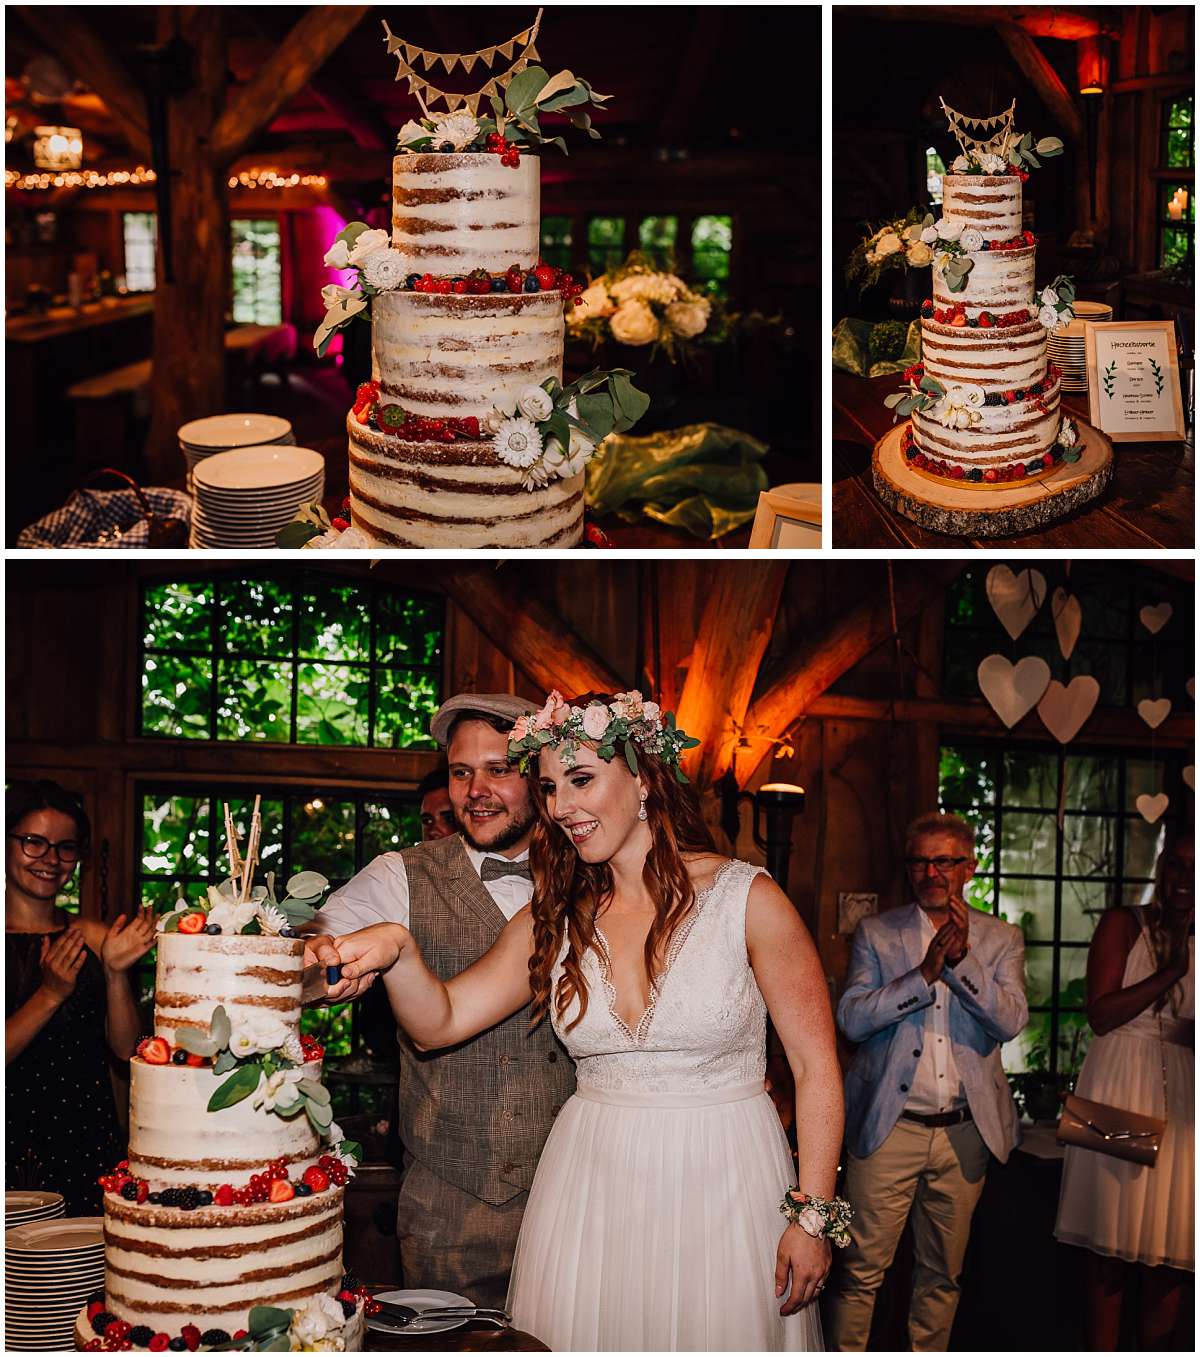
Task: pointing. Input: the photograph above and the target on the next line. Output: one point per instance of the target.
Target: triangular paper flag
(507, 48)
(473, 104)
(428, 60)
(411, 53)
(487, 56)
(454, 101)
(522, 37)
(393, 42)
(469, 61)
(531, 54)
(449, 60)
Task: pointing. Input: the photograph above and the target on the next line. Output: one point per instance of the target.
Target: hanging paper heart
(1068, 617)
(1015, 599)
(1012, 690)
(1156, 617)
(1189, 776)
(1150, 808)
(1154, 711)
(1064, 710)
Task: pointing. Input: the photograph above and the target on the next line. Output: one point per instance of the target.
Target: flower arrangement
(1011, 154)
(553, 430)
(896, 244)
(222, 910)
(923, 393)
(625, 721)
(637, 304)
(1055, 303)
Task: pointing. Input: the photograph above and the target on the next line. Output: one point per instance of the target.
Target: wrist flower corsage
(819, 1217)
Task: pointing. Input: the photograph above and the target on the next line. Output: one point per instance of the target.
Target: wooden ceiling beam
(530, 634)
(1043, 21)
(282, 76)
(735, 630)
(88, 57)
(1044, 78)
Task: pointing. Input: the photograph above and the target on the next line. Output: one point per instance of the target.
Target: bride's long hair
(569, 893)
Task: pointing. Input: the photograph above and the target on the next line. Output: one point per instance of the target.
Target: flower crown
(623, 722)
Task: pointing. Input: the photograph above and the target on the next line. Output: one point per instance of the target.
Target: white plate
(67, 1235)
(248, 508)
(255, 515)
(219, 433)
(259, 468)
(418, 1300)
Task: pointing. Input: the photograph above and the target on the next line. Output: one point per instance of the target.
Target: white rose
(255, 1033)
(974, 396)
(888, 243)
(338, 255)
(688, 319)
(949, 228)
(961, 165)
(535, 403)
(232, 916)
(810, 1222)
(595, 302)
(385, 270)
(412, 131)
(279, 1090)
(971, 239)
(367, 244)
(313, 1320)
(920, 254)
(929, 235)
(332, 295)
(580, 445)
(1049, 296)
(634, 323)
(1049, 317)
(1067, 434)
(242, 1043)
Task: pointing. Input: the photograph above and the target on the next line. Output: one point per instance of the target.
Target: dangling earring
(642, 809)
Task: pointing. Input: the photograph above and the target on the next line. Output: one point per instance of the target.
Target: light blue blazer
(883, 1009)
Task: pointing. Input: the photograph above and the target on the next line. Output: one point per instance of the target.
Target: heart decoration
(1154, 711)
(1189, 776)
(1068, 617)
(1155, 617)
(1064, 709)
(1012, 690)
(1150, 808)
(1015, 599)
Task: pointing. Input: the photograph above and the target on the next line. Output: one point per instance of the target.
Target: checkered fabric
(105, 518)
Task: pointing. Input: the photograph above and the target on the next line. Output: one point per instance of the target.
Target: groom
(473, 1118)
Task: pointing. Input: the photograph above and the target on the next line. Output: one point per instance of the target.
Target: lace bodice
(706, 1024)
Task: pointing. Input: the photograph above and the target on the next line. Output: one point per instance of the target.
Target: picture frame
(788, 518)
(1134, 390)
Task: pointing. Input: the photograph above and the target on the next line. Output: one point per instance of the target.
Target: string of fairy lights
(89, 179)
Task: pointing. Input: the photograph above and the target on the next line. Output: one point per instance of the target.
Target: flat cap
(504, 705)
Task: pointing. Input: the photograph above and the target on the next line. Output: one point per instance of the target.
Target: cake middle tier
(997, 359)
(439, 354)
(999, 281)
(246, 973)
(455, 213)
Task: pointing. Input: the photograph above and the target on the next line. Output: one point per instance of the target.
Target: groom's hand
(322, 952)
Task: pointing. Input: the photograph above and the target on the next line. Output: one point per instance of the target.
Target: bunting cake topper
(409, 56)
(999, 128)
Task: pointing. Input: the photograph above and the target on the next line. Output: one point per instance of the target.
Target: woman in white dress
(654, 1220)
(1139, 1222)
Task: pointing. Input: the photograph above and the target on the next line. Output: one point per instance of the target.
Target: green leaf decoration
(894, 399)
(350, 233)
(562, 83)
(306, 885)
(631, 757)
(282, 1342)
(172, 924)
(225, 1062)
(629, 404)
(296, 912)
(557, 427)
(252, 929)
(596, 414)
(317, 1092)
(338, 315)
(196, 1042)
(932, 384)
(320, 1116)
(1049, 146)
(352, 1149)
(238, 1086)
(219, 1028)
(524, 89)
(287, 1110)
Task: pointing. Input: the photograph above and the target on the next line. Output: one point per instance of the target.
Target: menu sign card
(1133, 380)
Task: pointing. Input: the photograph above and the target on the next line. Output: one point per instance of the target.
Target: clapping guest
(1138, 1222)
(932, 991)
(68, 1004)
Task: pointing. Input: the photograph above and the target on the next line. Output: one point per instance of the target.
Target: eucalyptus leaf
(631, 758)
(280, 1343)
(894, 399)
(352, 1149)
(524, 89)
(1049, 146)
(305, 885)
(597, 413)
(561, 83)
(172, 924)
(317, 1092)
(224, 1062)
(571, 98)
(321, 1117)
(295, 535)
(288, 1110)
(931, 384)
(351, 232)
(195, 1042)
(238, 1086)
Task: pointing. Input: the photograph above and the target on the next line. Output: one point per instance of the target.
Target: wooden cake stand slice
(995, 511)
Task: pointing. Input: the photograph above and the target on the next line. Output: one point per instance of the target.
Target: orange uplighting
(1091, 64)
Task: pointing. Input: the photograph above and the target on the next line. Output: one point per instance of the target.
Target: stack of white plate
(23, 1208)
(244, 497)
(1065, 346)
(219, 433)
(50, 1270)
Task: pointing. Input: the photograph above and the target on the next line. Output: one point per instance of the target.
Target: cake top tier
(257, 979)
(991, 203)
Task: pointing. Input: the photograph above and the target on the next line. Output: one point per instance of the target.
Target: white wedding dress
(654, 1218)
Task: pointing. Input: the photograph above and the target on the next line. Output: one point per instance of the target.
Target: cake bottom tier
(349, 1338)
(454, 495)
(167, 1268)
(1006, 436)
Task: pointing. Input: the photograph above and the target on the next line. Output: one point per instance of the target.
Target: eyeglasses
(942, 865)
(35, 846)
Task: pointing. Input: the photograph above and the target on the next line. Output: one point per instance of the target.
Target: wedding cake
(225, 1222)
(984, 401)
(466, 436)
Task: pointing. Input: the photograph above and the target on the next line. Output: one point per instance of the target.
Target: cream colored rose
(338, 255)
(370, 241)
(888, 243)
(688, 319)
(412, 131)
(634, 323)
(535, 403)
(919, 255)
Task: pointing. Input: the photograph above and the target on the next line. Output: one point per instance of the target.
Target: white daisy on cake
(517, 442)
(971, 239)
(273, 920)
(385, 270)
(1049, 317)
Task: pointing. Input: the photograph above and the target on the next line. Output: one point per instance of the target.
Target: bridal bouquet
(637, 304)
(896, 244)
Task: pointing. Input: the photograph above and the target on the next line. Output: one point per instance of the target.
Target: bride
(654, 1219)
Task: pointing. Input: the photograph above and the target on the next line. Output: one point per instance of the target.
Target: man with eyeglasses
(933, 990)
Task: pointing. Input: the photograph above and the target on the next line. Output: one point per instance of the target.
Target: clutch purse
(1110, 1130)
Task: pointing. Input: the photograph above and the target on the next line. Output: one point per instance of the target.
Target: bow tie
(494, 868)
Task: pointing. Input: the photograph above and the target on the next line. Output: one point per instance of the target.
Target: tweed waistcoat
(477, 1114)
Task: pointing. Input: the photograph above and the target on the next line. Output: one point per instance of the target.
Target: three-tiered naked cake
(984, 401)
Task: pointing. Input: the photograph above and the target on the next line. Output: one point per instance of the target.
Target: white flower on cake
(492, 421)
(412, 131)
(273, 921)
(459, 129)
(537, 477)
(920, 254)
(1049, 317)
(563, 464)
(634, 323)
(580, 444)
(689, 319)
(953, 412)
(929, 235)
(1049, 296)
(180, 905)
(1067, 435)
(517, 442)
(333, 295)
(256, 1033)
(970, 394)
(316, 1322)
(888, 243)
(949, 228)
(594, 302)
(293, 1048)
(971, 239)
(338, 255)
(231, 916)
(535, 403)
(961, 165)
(992, 164)
(385, 270)
(279, 1090)
(367, 244)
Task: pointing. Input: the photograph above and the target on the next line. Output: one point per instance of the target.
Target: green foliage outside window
(712, 243)
(556, 241)
(257, 272)
(1178, 133)
(656, 239)
(606, 243)
(291, 659)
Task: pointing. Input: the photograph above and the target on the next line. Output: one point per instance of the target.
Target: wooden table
(1150, 504)
(470, 1338)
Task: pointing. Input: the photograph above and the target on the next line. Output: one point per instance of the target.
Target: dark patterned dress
(61, 1128)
